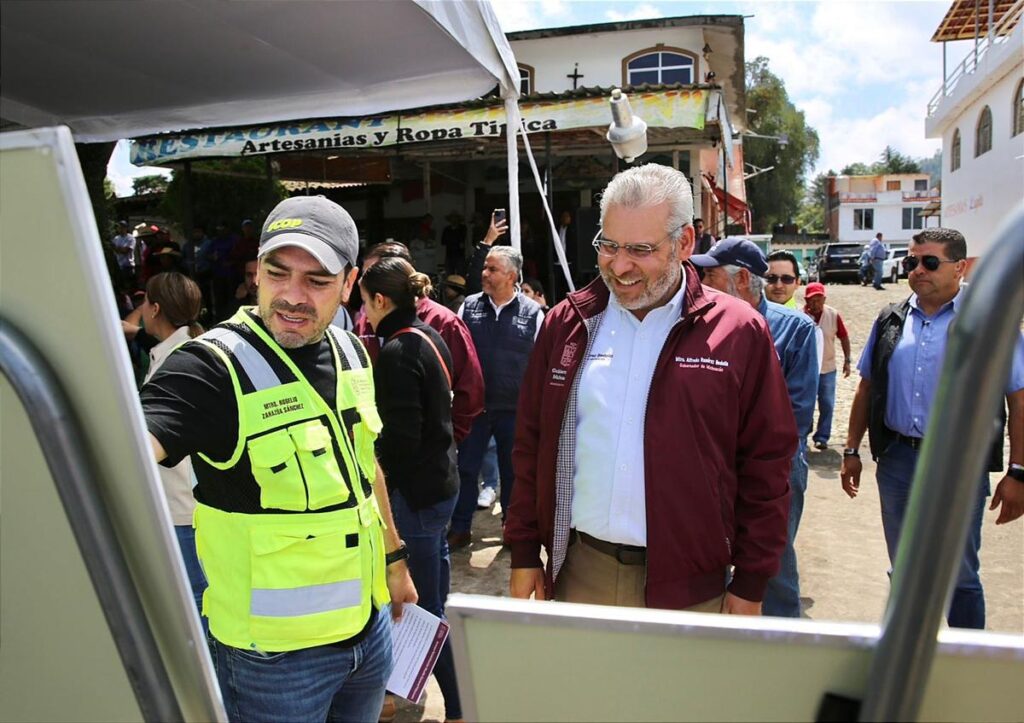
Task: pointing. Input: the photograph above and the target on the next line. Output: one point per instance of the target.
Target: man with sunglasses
(650, 453)
(899, 370)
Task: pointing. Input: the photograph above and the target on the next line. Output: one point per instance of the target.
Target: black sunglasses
(930, 263)
(775, 278)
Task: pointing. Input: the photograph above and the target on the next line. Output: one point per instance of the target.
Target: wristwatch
(851, 452)
(402, 553)
(1016, 471)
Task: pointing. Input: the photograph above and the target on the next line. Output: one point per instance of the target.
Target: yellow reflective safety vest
(308, 574)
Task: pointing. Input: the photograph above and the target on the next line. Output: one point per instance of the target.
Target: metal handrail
(73, 471)
(999, 35)
(945, 487)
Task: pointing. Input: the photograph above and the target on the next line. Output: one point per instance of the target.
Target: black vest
(503, 345)
(889, 330)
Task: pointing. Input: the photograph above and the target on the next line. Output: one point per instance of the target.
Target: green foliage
(889, 161)
(933, 167)
(811, 216)
(775, 197)
(155, 183)
(223, 190)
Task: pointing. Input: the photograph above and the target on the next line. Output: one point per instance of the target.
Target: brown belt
(625, 554)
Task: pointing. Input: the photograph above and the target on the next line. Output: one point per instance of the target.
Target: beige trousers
(589, 576)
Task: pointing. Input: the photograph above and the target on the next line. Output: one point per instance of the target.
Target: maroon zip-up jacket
(719, 435)
(467, 376)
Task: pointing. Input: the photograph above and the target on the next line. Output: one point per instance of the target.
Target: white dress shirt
(609, 500)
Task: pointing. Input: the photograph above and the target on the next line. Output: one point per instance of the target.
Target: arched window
(526, 73)
(983, 133)
(659, 65)
(1018, 110)
(954, 151)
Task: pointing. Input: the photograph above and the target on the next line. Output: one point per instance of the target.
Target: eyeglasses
(604, 247)
(775, 278)
(930, 263)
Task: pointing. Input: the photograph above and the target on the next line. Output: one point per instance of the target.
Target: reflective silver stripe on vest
(306, 600)
(347, 348)
(256, 367)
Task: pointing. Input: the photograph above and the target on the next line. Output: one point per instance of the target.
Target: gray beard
(655, 292)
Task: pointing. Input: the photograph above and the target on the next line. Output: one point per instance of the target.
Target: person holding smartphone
(497, 229)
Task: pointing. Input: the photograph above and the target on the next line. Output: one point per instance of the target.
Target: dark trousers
(502, 426)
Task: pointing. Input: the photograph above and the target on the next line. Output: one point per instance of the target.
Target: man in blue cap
(737, 266)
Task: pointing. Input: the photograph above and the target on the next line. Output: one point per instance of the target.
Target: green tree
(223, 190)
(811, 218)
(775, 197)
(155, 183)
(933, 167)
(892, 161)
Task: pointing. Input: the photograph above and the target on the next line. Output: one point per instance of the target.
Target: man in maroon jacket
(467, 379)
(654, 431)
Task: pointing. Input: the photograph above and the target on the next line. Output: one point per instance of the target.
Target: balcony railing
(933, 194)
(999, 35)
(858, 197)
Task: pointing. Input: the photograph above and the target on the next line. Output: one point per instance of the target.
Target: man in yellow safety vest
(275, 407)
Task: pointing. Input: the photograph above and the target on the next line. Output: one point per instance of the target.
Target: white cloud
(642, 11)
(121, 172)
(862, 72)
(516, 15)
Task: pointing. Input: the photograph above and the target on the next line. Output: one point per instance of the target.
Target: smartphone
(499, 215)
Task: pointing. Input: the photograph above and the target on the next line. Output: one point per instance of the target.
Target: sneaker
(822, 446)
(486, 498)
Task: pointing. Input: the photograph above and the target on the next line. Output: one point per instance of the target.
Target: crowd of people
(648, 433)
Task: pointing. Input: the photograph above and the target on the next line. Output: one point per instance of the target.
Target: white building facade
(859, 207)
(979, 115)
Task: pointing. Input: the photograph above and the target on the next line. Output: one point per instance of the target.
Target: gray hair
(513, 258)
(651, 185)
(756, 282)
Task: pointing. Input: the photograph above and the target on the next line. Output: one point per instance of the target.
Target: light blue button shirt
(609, 498)
(916, 364)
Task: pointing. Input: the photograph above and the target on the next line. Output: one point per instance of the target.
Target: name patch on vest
(282, 406)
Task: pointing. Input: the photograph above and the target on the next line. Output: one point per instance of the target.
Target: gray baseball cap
(314, 224)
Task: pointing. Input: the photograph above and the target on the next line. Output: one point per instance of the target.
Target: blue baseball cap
(734, 251)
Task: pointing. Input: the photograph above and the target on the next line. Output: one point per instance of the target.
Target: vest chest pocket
(296, 468)
(315, 451)
(276, 469)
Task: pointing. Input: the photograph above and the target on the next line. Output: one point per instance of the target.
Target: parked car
(892, 266)
(838, 261)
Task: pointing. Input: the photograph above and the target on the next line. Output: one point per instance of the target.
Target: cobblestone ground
(841, 551)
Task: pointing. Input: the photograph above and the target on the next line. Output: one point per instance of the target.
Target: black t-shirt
(190, 407)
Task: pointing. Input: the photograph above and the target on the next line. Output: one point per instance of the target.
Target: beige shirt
(829, 326)
(178, 480)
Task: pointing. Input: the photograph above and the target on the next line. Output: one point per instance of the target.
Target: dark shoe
(458, 540)
(821, 446)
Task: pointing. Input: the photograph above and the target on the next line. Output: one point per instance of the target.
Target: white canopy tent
(112, 69)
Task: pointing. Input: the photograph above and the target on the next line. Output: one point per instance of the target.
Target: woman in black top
(416, 447)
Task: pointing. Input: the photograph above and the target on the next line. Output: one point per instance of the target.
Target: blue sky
(862, 71)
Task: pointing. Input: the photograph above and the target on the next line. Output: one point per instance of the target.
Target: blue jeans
(325, 683)
(782, 596)
(196, 578)
(876, 268)
(501, 426)
(895, 474)
(826, 405)
(489, 470)
(424, 533)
